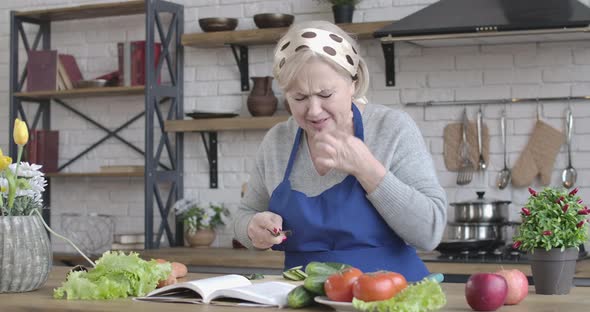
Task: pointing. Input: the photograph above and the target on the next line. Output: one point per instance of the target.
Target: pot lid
(481, 200)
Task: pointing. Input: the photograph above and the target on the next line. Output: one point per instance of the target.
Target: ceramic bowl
(211, 24)
(272, 20)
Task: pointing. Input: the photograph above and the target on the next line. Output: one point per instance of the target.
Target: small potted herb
(200, 220)
(554, 225)
(343, 10)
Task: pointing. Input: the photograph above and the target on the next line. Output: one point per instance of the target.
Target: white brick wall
(212, 82)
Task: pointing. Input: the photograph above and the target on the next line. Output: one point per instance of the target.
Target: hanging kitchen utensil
(482, 162)
(504, 174)
(465, 173)
(569, 174)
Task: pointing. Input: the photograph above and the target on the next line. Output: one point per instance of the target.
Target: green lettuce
(426, 295)
(116, 275)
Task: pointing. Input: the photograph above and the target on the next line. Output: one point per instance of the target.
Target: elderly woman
(352, 182)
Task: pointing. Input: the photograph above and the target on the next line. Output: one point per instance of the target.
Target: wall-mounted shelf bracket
(389, 54)
(211, 150)
(242, 61)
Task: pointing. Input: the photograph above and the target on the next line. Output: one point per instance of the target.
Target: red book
(42, 70)
(47, 150)
(72, 71)
(132, 62)
(31, 147)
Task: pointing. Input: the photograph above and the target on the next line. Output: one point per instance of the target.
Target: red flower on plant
(573, 192)
(526, 211)
(565, 208)
(581, 223)
(533, 192)
(547, 233)
(516, 244)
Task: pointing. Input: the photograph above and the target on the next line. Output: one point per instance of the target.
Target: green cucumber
(291, 276)
(319, 268)
(299, 297)
(315, 283)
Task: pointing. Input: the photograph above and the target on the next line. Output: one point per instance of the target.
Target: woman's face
(320, 99)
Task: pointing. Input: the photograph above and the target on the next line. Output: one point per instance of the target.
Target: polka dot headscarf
(322, 42)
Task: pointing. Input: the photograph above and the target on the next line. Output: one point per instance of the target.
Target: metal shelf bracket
(242, 61)
(389, 54)
(211, 151)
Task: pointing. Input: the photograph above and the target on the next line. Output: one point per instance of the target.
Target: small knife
(278, 233)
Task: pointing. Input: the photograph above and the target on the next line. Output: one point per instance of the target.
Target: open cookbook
(230, 289)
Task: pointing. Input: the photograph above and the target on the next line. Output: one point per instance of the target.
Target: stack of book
(128, 241)
(49, 71)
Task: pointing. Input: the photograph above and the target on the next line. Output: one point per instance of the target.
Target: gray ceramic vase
(26, 255)
(553, 270)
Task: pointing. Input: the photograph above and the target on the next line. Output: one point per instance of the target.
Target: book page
(202, 288)
(264, 293)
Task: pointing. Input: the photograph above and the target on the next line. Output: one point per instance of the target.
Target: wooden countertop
(42, 300)
(204, 259)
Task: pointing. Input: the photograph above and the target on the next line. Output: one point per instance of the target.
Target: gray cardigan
(409, 198)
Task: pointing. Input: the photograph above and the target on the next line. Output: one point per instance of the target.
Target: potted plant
(554, 225)
(25, 249)
(343, 10)
(200, 220)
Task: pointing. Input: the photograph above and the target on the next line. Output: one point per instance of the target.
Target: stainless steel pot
(481, 210)
(462, 231)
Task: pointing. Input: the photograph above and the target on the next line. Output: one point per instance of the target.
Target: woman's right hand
(259, 227)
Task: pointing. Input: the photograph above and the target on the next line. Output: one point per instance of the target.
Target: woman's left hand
(345, 152)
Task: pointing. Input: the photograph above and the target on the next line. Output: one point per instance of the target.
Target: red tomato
(338, 287)
(378, 286)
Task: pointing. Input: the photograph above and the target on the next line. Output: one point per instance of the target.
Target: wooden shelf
(76, 93)
(216, 124)
(86, 11)
(268, 35)
(94, 174)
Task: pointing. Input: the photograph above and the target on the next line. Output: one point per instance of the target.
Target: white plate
(336, 305)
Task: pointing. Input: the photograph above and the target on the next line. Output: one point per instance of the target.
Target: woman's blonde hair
(287, 73)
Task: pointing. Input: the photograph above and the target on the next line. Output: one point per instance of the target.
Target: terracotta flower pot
(200, 238)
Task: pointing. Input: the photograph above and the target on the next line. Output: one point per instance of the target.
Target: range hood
(475, 16)
(469, 22)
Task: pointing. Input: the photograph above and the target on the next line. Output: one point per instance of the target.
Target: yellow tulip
(21, 132)
(4, 161)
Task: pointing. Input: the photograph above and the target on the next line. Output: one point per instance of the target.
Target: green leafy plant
(21, 184)
(552, 218)
(198, 216)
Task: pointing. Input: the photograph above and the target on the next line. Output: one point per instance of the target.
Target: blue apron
(340, 225)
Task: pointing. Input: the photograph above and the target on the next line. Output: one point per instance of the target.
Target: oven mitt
(538, 156)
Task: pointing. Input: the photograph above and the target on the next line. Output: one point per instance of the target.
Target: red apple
(486, 291)
(518, 285)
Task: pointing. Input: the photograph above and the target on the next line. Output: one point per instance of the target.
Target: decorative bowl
(272, 20)
(211, 24)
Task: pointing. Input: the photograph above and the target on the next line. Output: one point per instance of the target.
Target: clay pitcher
(262, 100)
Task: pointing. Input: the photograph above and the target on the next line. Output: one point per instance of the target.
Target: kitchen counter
(227, 260)
(42, 300)
(242, 261)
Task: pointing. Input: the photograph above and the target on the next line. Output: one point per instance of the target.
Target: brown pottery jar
(262, 100)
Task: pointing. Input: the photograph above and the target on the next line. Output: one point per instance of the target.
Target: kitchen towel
(538, 156)
(452, 141)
